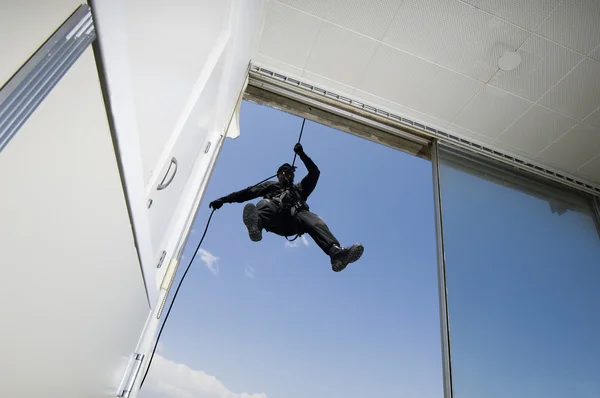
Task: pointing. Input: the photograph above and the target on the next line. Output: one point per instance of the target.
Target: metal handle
(163, 184)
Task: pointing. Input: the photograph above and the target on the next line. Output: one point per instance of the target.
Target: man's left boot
(341, 257)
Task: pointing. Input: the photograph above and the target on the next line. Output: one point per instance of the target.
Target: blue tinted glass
(523, 285)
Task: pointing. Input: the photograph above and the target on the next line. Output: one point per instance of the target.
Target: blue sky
(276, 320)
(266, 320)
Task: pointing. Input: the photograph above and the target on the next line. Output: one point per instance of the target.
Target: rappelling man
(284, 211)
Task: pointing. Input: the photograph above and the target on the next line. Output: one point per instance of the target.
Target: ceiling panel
(288, 35)
(415, 83)
(574, 24)
(276, 65)
(341, 53)
(543, 64)
(589, 171)
(527, 14)
(436, 62)
(593, 119)
(399, 110)
(596, 54)
(487, 141)
(574, 149)
(437, 30)
(370, 18)
(491, 112)
(536, 129)
(578, 94)
(332, 85)
(315, 7)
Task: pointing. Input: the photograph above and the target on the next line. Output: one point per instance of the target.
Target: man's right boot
(252, 222)
(341, 257)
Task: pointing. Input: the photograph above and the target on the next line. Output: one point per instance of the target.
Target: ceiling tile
(485, 141)
(473, 2)
(575, 148)
(455, 35)
(470, 135)
(595, 54)
(276, 66)
(536, 129)
(399, 110)
(314, 7)
(575, 24)
(593, 118)
(491, 112)
(370, 18)
(578, 94)
(283, 26)
(550, 164)
(543, 64)
(327, 84)
(527, 14)
(340, 54)
(590, 170)
(415, 83)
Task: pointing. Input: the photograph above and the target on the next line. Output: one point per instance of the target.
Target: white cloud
(173, 380)
(249, 272)
(297, 242)
(210, 261)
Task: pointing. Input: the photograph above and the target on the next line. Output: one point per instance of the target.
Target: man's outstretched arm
(309, 182)
(242, 196)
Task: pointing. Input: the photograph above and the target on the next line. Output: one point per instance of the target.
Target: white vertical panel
(168, 48)
(73, 291)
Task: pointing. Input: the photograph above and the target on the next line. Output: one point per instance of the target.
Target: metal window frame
(441, 262)
(32, 83)
(269, 80)
(596, 206)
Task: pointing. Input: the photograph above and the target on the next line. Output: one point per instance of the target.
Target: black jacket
(274, 189)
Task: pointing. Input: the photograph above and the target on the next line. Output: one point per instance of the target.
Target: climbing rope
(299, 138)
(187, 268)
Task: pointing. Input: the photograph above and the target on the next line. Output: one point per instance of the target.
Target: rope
(175, 296)
(190, 264)
(299, 138)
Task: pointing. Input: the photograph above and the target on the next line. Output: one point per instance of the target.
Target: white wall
(74, 301)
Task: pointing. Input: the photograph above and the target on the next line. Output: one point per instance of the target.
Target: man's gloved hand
(216, 204)
(298, 149)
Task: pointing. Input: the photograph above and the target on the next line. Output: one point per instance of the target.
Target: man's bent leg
(316, 227)
(264, 215)
(319, 231)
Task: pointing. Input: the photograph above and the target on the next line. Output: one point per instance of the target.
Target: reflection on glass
(523, 284)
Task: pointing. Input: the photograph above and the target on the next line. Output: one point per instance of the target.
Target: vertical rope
(299, 138)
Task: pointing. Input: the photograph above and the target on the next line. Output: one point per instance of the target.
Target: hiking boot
(341, 257)
(252, 222)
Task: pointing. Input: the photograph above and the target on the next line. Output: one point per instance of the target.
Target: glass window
(523, 283)
(271, 318)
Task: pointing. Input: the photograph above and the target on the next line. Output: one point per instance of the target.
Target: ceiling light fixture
(509, 60)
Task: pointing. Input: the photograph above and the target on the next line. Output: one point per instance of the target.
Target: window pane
(523, 284)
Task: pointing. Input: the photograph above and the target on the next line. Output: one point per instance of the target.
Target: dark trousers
(275, 219)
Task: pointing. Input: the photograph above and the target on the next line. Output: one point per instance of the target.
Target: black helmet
(286, 167)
